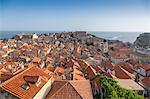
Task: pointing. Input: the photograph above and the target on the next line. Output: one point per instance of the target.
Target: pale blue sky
(71, 15)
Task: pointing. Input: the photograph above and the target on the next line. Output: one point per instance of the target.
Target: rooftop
(129, 84)
(146, 81)
(70, 90)
(14, 84)
(146, 67)
(120, 73)
(119, 55)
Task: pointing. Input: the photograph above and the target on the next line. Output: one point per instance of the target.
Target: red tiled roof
(50, 67)
(137, 66)
(5, 74)
(78, 77)
(77, 74)
(24, 57)
(56, 77)
(7, 58)
(70, 90)
(146, 81)
(76, 70)
(69, 63)
(126, 66)
(107, 64)
(131, 61)
(91, 72)
(98, 69)
(84, 91)
(82, 64)
(13, 85)
(4, 70)
(36, 60)
(146, 67)
(48, 59)
(119, 55)
(120, 73)
(59, 70)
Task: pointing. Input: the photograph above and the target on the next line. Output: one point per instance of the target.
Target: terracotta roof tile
(98, 69)
(120, 73)
(119, 55)
(131, 61)
(59, 70)
(5, 74)
(126, 66)
(4, 70)
(78, 77)
(90, 71)
(36, 60)
(146, 67)
(13, 85)
(24, 57)
(84, 91)
(70, 90)
(82, 64)
(107, 64)
(50, 67)
(146, 81)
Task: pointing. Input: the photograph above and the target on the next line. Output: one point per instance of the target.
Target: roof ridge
(125, 71)
(59, 89)
(93, 70)
(75, 89)
(68, 82)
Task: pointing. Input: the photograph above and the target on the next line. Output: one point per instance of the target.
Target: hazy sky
(71, 15)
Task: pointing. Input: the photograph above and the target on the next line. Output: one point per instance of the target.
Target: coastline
(121, 36)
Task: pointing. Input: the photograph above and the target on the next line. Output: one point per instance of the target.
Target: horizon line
(67, 31)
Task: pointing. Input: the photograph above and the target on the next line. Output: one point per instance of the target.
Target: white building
(119, 57)
(105, 47)
(35, 36)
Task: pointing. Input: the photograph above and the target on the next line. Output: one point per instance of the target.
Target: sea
(122, 36)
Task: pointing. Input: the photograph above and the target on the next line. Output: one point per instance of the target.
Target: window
(25, 86)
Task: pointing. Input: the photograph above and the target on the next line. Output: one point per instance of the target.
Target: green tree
(114, 91)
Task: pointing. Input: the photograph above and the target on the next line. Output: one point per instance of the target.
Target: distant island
(143, 41)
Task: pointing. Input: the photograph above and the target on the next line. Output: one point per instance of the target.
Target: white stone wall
(105, 47)
(44, 90)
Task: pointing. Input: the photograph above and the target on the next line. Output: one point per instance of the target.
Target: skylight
(25, 86)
